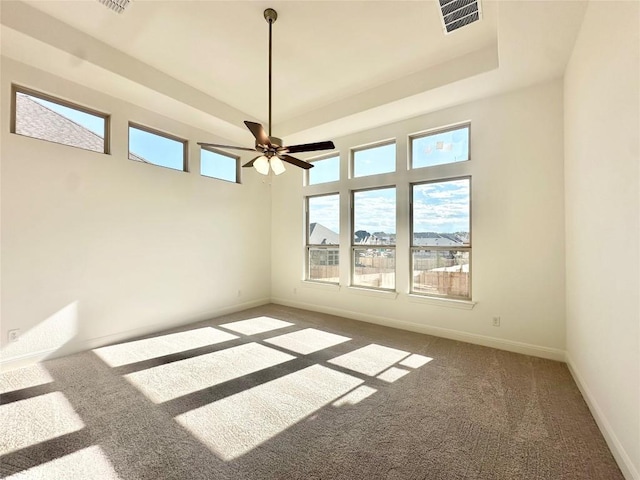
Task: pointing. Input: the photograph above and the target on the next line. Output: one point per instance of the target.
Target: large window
(374, 238)
(324, 170)
(426, 203)
(440, 147)
(222, 166)
(41, 116)
(151, 146)
(323, 238)
(374, 160)
(441, 238)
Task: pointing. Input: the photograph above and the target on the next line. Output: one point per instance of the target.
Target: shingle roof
(36, 120)
(321, 235)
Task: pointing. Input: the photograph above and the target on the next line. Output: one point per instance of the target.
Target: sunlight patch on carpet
(256, 325)
(392, 374)
(237, 424)
(415, 361)
(26, 377)
(355, 396)
(370, 360)
(88, 463)
(36, 420)
(307, 341)
(172, 380)
(140, 350)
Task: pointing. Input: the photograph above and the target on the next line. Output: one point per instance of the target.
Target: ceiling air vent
(458, 13)
(115, 5)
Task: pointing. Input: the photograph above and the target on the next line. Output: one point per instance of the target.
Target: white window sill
(370, 292)
(442, 302)
(320, 285)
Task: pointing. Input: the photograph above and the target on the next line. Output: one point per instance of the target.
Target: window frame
(371, 146)
(236, 158)
(16, 89)
(413, 248)
(437, 131)
(160, 133)
(352, 211)
(309, 245)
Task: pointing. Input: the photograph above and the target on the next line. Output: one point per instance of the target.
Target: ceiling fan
(272, 151)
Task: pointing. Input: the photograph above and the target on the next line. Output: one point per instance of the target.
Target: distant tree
(361, 236)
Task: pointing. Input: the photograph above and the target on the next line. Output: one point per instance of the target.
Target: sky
(91, 122)
(441, 207)
(375, 210)
(216, 165)
(445, 147)
(325, 210)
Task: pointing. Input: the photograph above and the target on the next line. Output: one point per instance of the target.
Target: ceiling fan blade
(258, 132)
(203, 144)
(251, 162)
(311, 147)
(295, 161)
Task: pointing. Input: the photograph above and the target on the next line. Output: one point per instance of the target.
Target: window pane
(324, 220)
(57, 123)
(375, 160)
(324, 264)
(374, 217)
(217, 165)
(374, 267)
(155, 149)
(441, 213)
(441, 272)
(439, 148)
(325, 170)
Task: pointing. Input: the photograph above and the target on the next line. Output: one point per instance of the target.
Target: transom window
(41, 116)
(323, 238)
(220, 165)
(324, 170)
(374, 160)
(441, 238)
(151, 146)
(374, 238)
(440, 147)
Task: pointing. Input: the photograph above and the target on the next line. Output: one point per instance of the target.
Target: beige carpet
(281, 393)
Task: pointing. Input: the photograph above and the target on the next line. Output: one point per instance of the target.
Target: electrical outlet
(14, 335)
(295, 291)
(496, 321)
(239, 293)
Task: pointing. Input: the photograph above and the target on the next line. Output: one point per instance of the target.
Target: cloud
(325, 210)
(375, 210)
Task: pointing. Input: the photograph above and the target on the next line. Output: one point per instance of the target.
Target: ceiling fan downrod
(270, 16)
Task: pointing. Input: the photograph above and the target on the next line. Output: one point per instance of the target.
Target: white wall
(517, 228)
(97, 247)
(602, 222)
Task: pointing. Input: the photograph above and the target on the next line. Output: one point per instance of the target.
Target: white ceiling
(338, 67)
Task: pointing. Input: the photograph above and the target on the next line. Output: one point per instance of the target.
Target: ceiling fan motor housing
(270, 15)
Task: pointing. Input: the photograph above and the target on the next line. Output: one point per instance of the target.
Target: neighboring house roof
(36, 120)
(434, 239)
(321, 235)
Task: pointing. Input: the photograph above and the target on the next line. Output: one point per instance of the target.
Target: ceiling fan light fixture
(276, 165)
(262, 165)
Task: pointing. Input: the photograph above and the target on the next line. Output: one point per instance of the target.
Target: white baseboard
(629, 471)
(19, 361)
(499, 343)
